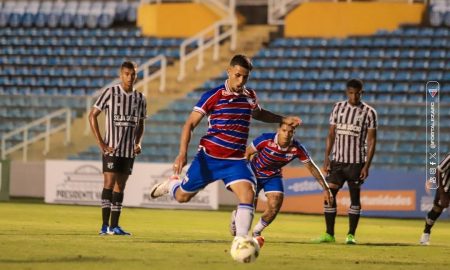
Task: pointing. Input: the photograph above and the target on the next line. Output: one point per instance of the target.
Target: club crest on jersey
(272, 144)
(110, 165)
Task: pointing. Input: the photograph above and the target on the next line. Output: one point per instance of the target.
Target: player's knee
(183, 197)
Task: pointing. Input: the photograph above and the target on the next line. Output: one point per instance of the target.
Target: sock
(330, 213)
(353, 218)
(430, 219)
(117, 199)
(259, 227)
(173, 186)
(354, 211)
(106, 205)
(244, 217)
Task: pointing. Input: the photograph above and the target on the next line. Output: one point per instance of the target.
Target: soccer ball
(244, 249)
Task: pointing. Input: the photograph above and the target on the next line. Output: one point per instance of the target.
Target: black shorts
(120, 165)
(341, 172)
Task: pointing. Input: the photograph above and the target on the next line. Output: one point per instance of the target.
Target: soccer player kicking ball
(268, 153)
(221, 154)
(441, 199)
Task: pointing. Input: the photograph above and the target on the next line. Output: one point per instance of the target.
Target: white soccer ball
(244, 249)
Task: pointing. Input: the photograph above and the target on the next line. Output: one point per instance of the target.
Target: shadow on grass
(78, 258)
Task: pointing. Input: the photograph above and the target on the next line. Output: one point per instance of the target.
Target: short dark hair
(241, 60)
(128, 64)
(355, 83)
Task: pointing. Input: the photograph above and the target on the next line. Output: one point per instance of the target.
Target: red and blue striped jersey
(229, 115)
(271, 157)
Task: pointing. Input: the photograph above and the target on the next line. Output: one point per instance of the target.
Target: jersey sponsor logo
(125, 120)
(348, 129)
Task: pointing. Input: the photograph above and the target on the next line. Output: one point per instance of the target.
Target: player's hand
(179, 163)
(106, 150)
(137, 149)
(328, 197)
(364, 173)
(294, 121)
(326, 166)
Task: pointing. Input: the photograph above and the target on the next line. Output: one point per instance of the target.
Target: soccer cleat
(233, 223)
(350, 239)
(324, 238)
(260, 239)
(425, 239)
(160, 189)
(118, 231)
(104, 230)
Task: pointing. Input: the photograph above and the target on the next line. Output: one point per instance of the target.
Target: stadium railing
(203, 39)
(49, 130)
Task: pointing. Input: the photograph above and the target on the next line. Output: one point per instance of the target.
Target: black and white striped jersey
(123, 111)
(352, 124)
(444, 170)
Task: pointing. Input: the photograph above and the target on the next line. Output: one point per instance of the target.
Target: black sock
(430, 219)
(106, 205)
(353, 218)
(354, 210)
(330, 213)
(116, 208)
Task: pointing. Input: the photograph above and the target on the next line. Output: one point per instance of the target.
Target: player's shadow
(359, 244)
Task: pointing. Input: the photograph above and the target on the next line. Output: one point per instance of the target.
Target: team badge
(110, 165)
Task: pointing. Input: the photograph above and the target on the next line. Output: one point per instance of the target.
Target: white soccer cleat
(425, 239)
(160, 189)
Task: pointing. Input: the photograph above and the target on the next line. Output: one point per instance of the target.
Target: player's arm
(93, 122)
(328, 147)
(191, 123)
(315, 171)
(139, 135)
(371, 144)
(269, 117)
(250, 151)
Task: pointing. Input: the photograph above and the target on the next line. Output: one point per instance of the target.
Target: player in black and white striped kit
(125, 110)
(441, 199)
(351, 142)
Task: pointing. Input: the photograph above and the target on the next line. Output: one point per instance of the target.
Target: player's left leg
(117, 200)
(274, 192)
(441, 201)
(274, 202)
(354, 213)
(124, 168)
(353, 172)
(244, 191)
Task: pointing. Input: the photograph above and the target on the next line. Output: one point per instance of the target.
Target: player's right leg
(108, 185)
(197, 177)
(330, 217)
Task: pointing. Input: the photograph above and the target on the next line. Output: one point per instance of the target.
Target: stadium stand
(305, 76)
(53, 54)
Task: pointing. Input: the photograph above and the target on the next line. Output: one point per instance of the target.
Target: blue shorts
(206, 169)
(273, 184)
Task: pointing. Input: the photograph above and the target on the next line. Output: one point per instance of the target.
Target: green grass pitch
(40, 236)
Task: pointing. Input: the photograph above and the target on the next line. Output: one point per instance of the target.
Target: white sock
(243, 220)
(173, 186)
(259, 227)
